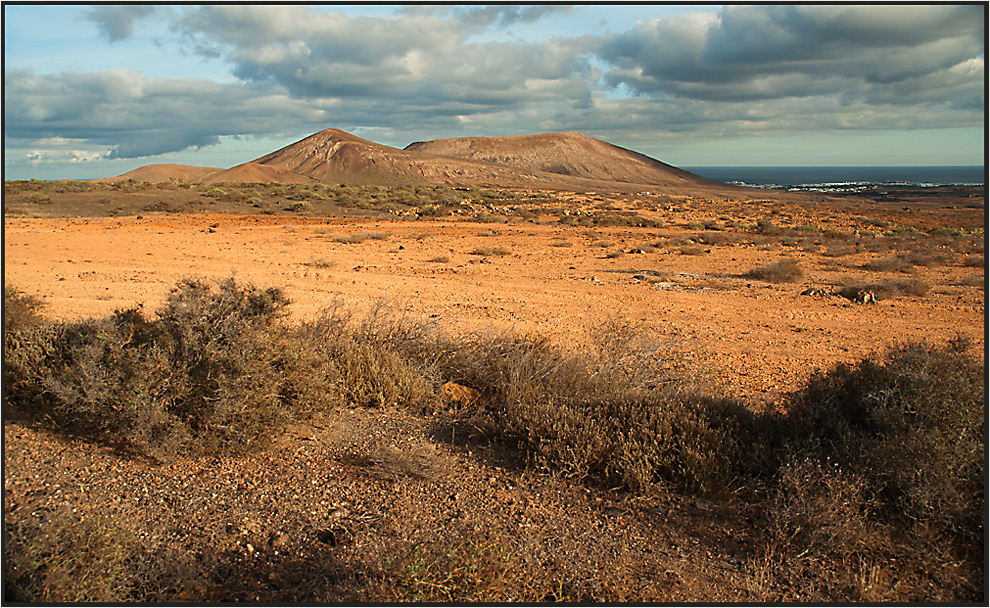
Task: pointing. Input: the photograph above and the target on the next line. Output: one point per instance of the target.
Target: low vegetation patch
(787, 270)
(871, 481)
(490, 251)
(888, 289)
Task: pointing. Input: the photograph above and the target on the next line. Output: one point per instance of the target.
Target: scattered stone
(865, 297)
(278, 540)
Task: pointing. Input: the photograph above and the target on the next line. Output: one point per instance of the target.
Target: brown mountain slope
(556, 161)
(335, 156)
(164, 172)
(553, 161)
(571, 154)
(255, 173)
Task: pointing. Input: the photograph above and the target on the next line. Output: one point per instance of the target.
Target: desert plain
(548, 273)
(749, 291)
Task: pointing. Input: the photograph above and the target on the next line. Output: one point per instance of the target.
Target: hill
(335, 156)
(569, 154)
(552, 161)
(166, 172)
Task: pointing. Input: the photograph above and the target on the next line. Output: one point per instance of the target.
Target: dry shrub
(321, 263)
(767, 227)
(490, 251)
(787, 270)
(974, 261)
(360, 237)
(20, 310)
(618, 414)
(887, 460)
(840, 248)
(66, 557)
(888, 289)
(904, 262)
(911, 422)
(211, 373)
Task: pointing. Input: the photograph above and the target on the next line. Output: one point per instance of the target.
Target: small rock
(338, 535)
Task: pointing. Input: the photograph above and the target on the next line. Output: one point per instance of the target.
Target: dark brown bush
(20, 310)
(910, 424)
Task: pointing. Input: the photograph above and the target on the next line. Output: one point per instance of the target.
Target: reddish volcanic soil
(759, 338)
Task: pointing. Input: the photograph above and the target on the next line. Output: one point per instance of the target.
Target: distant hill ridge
(554, 161)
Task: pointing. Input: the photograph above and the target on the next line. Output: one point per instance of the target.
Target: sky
(98, 90)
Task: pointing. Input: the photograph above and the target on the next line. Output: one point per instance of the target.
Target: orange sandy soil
(759, 339)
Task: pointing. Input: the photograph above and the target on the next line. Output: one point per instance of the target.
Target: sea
(836, 178)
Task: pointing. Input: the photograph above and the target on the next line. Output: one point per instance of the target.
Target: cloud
(508, 14)
(419, 59)
(748, 53)
(136, 116)
(116, 23)
(424, 73)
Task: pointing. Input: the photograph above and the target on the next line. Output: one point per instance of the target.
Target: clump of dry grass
(20, 310)
(888, 289)
(490, 251)
(360, 237)
(787, 270)
(321, 263)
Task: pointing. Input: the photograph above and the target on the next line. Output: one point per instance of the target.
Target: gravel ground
(343, 508)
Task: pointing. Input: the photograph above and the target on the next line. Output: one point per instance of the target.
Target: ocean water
(783, 177)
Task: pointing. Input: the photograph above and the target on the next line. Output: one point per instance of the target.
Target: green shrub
(215, 192)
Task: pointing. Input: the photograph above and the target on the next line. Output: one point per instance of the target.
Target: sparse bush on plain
(888, 289)
(360, 237)
(490, 251)
(787, 270)
(321, 263)
(875, 468)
